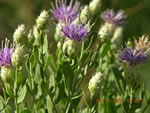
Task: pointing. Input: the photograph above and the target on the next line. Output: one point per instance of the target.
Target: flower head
(133, 57)
(117, 19)
(5, 54)
(143, 43)
(64, 13)
(75, 32)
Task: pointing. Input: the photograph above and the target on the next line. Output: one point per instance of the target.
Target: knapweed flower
(64, 13)
(5, 54)
(117, 19)
(133, 57)
(112, 21)
(143, 43)
(5, 60)
(95, 83)
(75, 32)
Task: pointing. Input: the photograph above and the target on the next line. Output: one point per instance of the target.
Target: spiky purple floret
(75, 32)
(117, 19)
(5, 54)
(64, 13)
(133, 57)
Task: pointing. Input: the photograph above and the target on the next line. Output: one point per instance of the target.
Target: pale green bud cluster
(18, 56)
(30, 37)
(85, 15)
(36, 35)
(71, 48)
(58, 36)
(106, 32)
(95, 83)
(5, 73)
(95, 6)
(20, 35)
(42, 20)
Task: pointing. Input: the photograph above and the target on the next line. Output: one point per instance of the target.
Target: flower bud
(18, 55)
(85, 15)
(58, 36)
(95, 82)
(20, 35)
(5, 73)
(30, 37)
(42, 20)
(95, 6)
(106, 32)
(71, 48)
(36, 35)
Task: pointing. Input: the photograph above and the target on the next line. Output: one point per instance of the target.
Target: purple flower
(75, 32)
(5, 54)
(117, 19)
(133, 57)
(64, 13)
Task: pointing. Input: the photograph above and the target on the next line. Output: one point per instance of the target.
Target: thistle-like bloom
(5, 54)
(143, 43)
(133, 57)
(64, 13)
(117, 19)
(75, 32)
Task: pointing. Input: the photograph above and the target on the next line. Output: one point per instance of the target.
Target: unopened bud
(95, 83)
(58, 36)
(106, 32)
(42, 20)
(18, 55)
(20, 35)
(71, 48)
(95, 6)
(5, 73)
(30, 37)
(84, 16)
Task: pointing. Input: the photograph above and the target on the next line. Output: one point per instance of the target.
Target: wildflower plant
(86, 62)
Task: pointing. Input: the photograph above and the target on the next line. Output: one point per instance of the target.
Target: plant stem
(15, 90)
(53, 106)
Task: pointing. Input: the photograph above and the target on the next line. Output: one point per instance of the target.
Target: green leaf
(25, 110)
(19, 77)
(9, 90)
(21, 94)
(110, 106)
(105, 49)
(45, 45)
(47, 62)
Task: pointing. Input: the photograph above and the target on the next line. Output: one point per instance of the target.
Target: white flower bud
(30, 37)
(5, 73)
(17, 57)
(58, 36)
(42, 20)
(85, 15)
(36, 35)
(20, 35)
(71, 48)
(106, 32)
(95, 6)
(95, 82)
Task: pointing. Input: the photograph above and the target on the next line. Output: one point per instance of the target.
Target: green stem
(15, 90)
